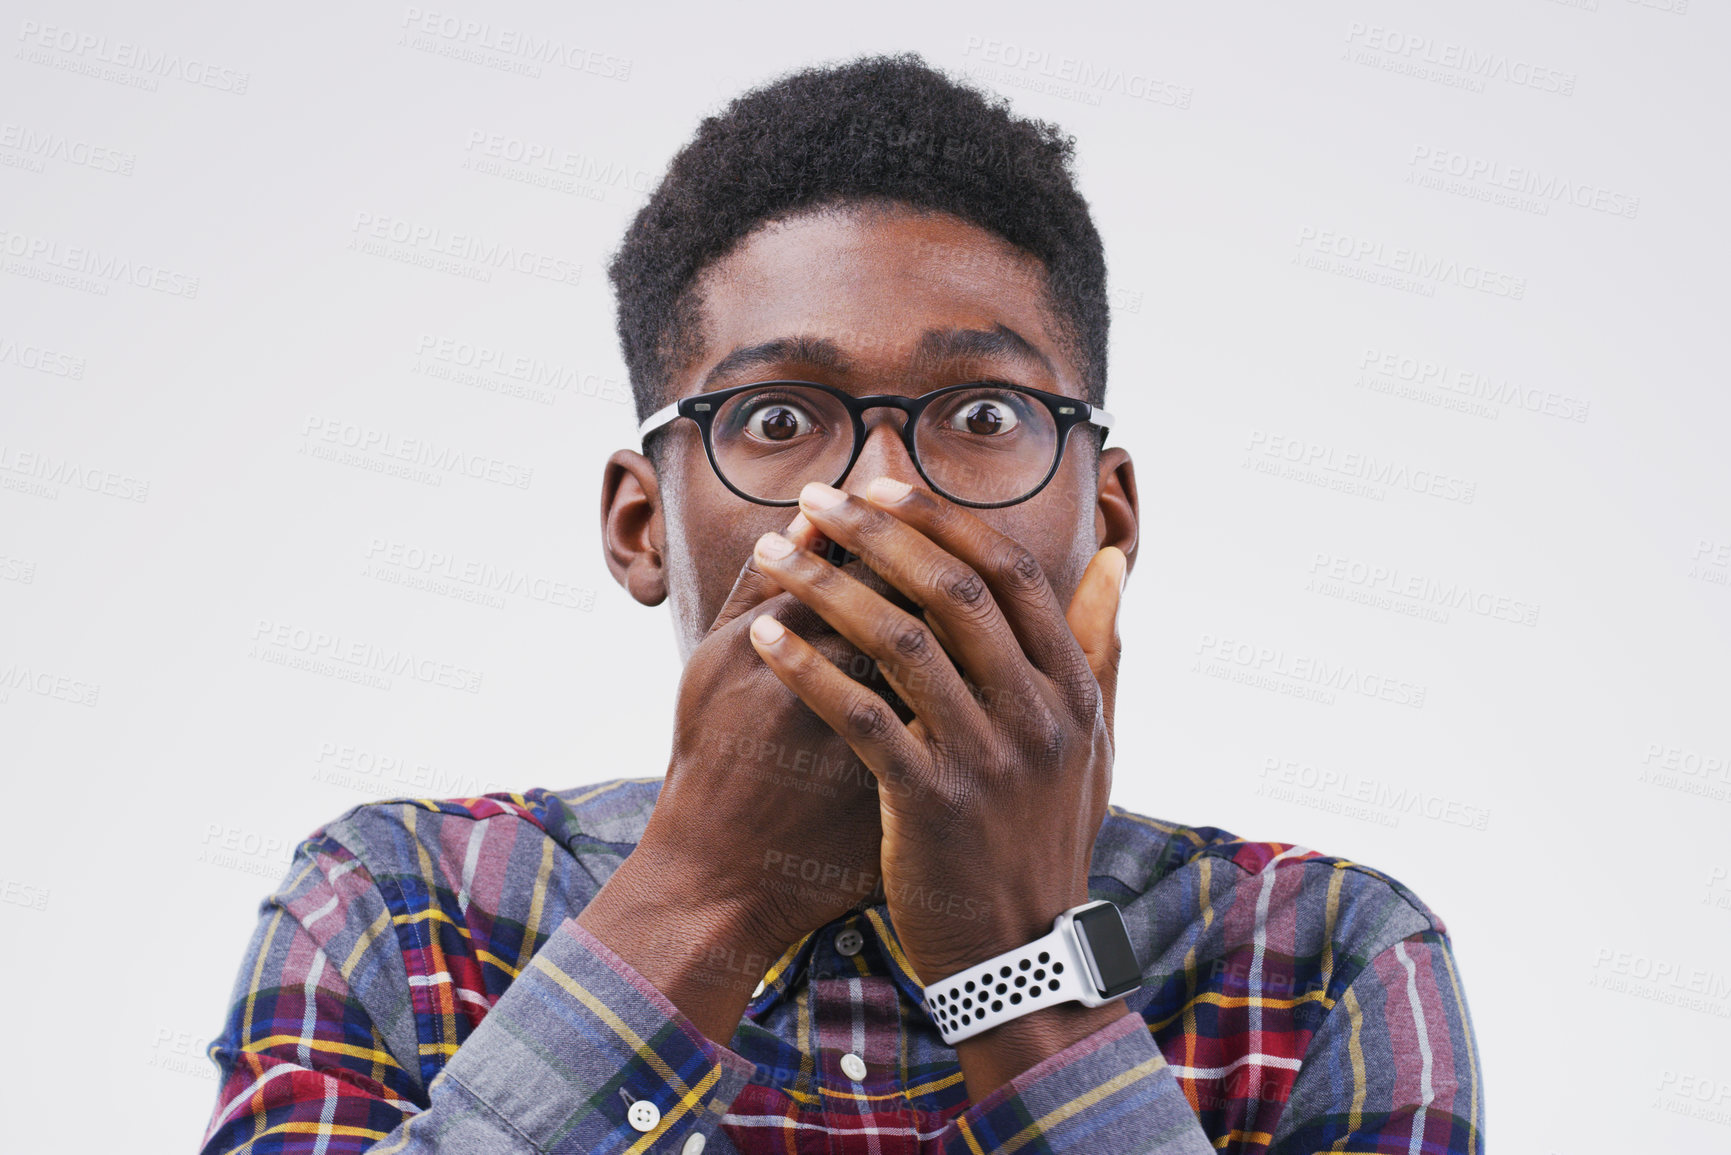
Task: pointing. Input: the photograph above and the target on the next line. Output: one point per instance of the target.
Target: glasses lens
(986, 443)
(769, 442)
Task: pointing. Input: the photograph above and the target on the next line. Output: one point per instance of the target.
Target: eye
(990, 415)
(775, 419)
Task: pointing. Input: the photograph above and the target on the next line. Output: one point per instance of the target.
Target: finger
(944, 585)
(753, 586)
(1093, 619)
(1019, 589)
(910, 656)
(894, 753)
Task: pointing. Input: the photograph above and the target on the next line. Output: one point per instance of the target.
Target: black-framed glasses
(983, 444)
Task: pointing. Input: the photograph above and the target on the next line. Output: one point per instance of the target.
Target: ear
(1116, 516)
(633, 536)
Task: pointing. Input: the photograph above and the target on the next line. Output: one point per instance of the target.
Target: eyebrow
(935, 347)
(940, 345)
(818, 351)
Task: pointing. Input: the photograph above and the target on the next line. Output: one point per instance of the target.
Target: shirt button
(694, 1144)
(644, 1115)
(849, 941)
(853, 1066)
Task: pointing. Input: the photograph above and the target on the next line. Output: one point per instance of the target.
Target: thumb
(1093, 618)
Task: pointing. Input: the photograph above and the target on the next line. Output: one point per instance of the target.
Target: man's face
(870, 300)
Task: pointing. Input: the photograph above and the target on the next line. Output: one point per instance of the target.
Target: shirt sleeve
(1395, 1066)
(1112, 1091)
(579, 1054)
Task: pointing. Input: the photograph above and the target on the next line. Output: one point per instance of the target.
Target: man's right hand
(766, 826)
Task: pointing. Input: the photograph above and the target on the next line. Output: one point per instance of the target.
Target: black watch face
(1115, 964)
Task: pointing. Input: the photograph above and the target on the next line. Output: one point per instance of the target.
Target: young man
(884, 823)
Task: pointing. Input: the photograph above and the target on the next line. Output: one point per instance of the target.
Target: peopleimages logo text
(125, 54)
(1525, 179)
(508, 41)
(471, 247)
(293, 640)
(1360, 466)
(1476, 63)
(416, 450)
(1085, 74)
(90, 262)
(1412, 262)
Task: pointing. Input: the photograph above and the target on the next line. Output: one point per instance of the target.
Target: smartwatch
(1087, 958)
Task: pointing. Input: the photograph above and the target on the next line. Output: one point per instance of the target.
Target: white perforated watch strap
(1048, 970)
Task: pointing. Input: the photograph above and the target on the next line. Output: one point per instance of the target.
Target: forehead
(875, 282)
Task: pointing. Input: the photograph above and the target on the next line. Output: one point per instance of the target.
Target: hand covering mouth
(810, 625)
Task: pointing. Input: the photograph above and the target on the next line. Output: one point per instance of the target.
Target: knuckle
(1079, 685)
(1088, 697)
(951, 803)
(910, 642)
(963, 588)
(1019, 701)
(1019, 568)
(1047, 738)
(866, 720)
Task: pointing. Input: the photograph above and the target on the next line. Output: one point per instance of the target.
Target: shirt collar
(873, 923)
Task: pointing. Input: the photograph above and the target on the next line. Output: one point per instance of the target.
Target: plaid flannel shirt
(419, 983)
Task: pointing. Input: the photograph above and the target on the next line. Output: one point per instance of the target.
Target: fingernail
(888, 490)
(1123, 571)
(820, 496)
(766, 629)
(772, 545)
(796, 528)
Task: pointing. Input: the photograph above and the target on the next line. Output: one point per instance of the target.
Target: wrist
(1011, 925)
(994, 1057)
(1068, 982)
(704, 952)
(654, 887)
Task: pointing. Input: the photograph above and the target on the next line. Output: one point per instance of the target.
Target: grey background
(1530, 729)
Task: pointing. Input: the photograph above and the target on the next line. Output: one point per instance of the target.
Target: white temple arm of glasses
(657, 419)
(662, 416)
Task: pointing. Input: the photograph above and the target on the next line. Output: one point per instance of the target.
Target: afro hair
(880, 128)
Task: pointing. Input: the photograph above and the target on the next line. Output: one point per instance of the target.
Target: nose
(882, 453)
